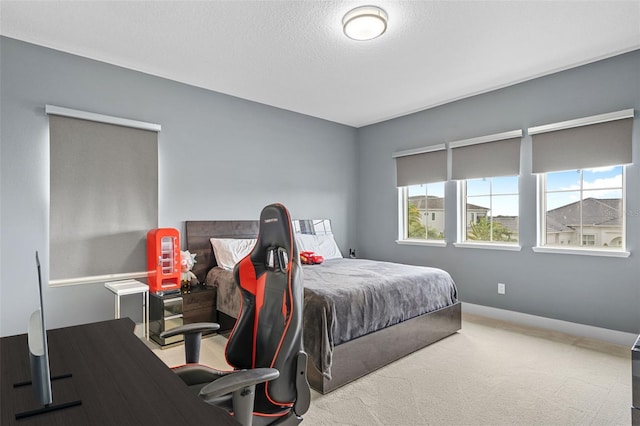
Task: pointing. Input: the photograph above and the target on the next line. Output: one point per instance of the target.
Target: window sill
(485, 246)
(583, 252)
(427, 243)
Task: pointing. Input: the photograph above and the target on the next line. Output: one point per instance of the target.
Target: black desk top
(117, 377)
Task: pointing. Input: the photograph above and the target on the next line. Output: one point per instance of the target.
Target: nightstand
(174, 309)
(199, 305)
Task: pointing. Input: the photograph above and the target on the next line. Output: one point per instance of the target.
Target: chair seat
(196, 376)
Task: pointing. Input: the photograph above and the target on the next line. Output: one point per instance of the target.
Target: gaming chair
(268, 385)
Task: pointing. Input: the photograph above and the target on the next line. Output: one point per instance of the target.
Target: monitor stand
(48, 407)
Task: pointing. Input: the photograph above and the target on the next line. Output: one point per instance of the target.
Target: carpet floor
(490, 373)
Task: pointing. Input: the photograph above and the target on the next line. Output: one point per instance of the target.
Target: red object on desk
(163, 259)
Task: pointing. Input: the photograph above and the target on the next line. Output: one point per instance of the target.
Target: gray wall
(597, 291)
(220, 157)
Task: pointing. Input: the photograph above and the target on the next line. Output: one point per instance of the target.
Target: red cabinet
(163, 259)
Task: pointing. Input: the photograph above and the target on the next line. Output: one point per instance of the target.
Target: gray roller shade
(426, 167)
(103, 197)
(594, 145)
(487, 159)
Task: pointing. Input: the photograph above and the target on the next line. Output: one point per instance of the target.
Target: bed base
(226, 322)
(365, 354)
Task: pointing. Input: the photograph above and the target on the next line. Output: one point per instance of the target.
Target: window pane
(505, 218)
(416, 210)
(562, 181)
(435, 211)
(558, 200)
(425, 211)
(505, 205)
(602, 218)
(436, 189)
(505, 229)
(477, 222)
(480, 205)
(417, 190)
(563, 219)
(505, 185)
(478, 187)
(602, 178)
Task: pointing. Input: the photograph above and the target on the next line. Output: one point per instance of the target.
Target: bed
(359, 314)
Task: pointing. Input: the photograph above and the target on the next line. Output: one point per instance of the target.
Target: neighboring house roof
(437, 203)
(509, 222)
(420, 201)
(595, 212)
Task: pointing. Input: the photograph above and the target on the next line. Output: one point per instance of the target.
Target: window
(584, 208)
(423, 208)
(490, 210)
(103, 196)
(420, 180)
(487, 170)
(581, 181)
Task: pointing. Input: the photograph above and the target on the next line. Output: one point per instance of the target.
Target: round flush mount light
(365, 23)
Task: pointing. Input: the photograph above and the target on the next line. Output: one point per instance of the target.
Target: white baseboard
(582, 330)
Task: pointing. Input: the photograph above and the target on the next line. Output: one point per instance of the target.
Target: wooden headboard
(200, 231)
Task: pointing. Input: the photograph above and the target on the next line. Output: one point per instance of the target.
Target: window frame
(403, 220)
(541, 219)
(461, 240)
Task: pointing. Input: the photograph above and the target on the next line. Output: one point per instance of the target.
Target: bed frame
(352, 359)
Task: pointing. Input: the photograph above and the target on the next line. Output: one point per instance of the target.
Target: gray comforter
(348, 298)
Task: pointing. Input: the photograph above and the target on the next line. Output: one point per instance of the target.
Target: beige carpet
(490, 373)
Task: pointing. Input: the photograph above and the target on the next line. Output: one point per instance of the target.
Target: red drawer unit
(163, 259)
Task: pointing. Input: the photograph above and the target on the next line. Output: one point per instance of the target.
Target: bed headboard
(200, 231)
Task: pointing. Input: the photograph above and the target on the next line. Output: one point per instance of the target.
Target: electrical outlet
(501, 288)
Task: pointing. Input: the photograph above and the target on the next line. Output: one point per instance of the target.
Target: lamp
(365, 23)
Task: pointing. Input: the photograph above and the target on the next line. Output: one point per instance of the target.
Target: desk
(123, 288)
(117, 377)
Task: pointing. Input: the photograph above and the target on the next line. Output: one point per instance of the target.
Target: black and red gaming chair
(268, 385)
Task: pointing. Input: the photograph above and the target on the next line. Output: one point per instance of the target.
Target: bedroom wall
(597, 291)
(220, 157)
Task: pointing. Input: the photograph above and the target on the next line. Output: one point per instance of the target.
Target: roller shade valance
(588, 145)
(488, 156)
(419, 167)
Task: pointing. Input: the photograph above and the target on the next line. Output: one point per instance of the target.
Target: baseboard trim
(582, 330)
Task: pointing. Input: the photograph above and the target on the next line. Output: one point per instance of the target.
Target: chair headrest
(275, 244)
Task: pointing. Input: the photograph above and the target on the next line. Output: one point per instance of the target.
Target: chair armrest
(237, 380)
(196, 327)
(192, 337)
(303, 397)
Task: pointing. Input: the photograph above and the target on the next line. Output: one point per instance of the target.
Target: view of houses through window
(584, 208)
(424, 209)
(491, 210)
(581, 208)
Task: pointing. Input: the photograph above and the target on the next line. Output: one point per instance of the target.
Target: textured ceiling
(293, 54)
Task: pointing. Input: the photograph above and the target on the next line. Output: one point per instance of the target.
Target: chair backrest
(268, 332)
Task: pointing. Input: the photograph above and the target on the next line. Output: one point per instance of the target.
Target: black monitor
(39, 350)
(39, 358)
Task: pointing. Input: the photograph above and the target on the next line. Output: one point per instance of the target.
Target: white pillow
(324, 245)
(229, 251)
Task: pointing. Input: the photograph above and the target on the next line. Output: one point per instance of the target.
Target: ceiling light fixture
(365, 23)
